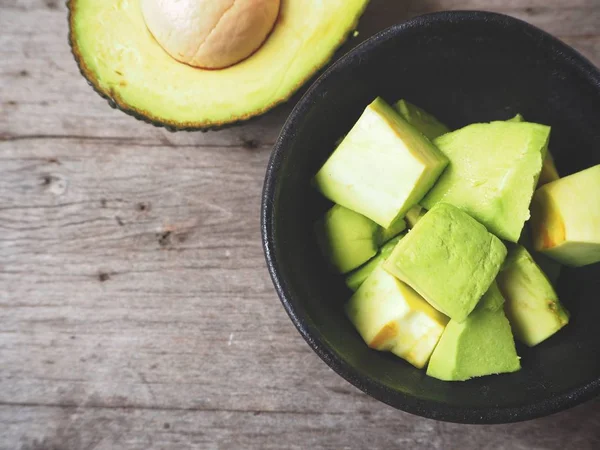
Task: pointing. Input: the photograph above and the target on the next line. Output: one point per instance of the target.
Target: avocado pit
(210, 34)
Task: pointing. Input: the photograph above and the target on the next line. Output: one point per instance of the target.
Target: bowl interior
(463, 67)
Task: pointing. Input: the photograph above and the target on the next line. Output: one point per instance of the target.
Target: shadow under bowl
(463, 67)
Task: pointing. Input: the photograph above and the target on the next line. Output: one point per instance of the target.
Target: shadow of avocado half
(121, 59)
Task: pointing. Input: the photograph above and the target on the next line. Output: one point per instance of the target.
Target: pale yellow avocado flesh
(119, 56)
(549, 172)
(390, 316)
(383, 166)
(565, 218)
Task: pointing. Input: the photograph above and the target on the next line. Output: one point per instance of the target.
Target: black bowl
(463, 67)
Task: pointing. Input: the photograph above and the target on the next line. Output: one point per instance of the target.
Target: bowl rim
(422, 407)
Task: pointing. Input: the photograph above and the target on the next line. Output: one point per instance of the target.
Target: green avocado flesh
(397, 227)
(549, 172)
(390, 316)
(481, 345)
(494, 168)
(565, 218)
(532, 306)
(448, 294)
(357, 277)
(119, 56)
(414, 214)
(382, 168)
(449, 258)
(421, 120)
(347, 239)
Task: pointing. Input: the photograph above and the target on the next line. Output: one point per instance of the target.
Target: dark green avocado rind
(115, 103)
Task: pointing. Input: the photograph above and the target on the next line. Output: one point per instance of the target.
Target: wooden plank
(378, 427)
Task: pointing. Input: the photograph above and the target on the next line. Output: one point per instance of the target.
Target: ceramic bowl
(463, 67)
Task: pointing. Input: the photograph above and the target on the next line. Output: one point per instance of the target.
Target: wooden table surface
(136, 311)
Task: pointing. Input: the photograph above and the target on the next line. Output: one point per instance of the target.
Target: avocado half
(123, 62)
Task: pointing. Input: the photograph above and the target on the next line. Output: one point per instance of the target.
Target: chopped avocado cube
(493, 170)
(481, 345)
(347, 239)
(414, 214)
(391, 316)
(357, 277)
(382, 167)
(449, 258)
(549, 172)
(397, 227)
(421, 119)
(565, 218)
(532, 306)
(550, 267)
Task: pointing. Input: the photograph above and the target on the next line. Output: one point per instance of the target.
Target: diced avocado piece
(532, 306)
(382, 168)
(481, 345)
(357, 277)
(390, 316)
(389, 246)
(347, 239)
(397, 227)
(518, 118)
(549, 172)
(494, 168)
(421, 119)
(449, 258)
(565, 218)
(549, 266)
(414, 214)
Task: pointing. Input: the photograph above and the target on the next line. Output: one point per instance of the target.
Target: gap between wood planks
(165, 408)
(249, 144)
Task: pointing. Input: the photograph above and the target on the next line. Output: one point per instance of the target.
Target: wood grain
(135, 308)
